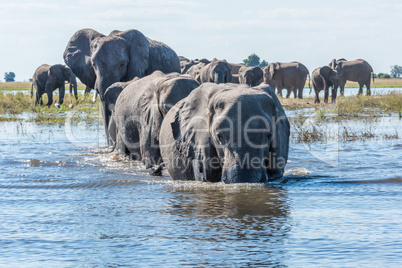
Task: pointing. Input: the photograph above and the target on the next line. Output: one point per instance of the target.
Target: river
(66, 201)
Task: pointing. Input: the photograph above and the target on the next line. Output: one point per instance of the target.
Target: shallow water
(68, 202)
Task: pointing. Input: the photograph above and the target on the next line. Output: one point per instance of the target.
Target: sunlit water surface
(66, 201)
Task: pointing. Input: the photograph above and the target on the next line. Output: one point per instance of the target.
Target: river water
(68, 202)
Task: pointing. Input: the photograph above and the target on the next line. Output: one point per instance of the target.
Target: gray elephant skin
(111, 95)
(289, 75)
(47, 78)
(323, 78)
(226, 132)
(216, 71)
(140, 109)
(250, 75)
(99, 60)
(359, 71)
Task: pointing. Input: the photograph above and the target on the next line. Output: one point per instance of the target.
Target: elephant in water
(47, 78)
(226, 132)
(250, 75)
(99, 60)
(323, 78)
(111, 95)
(140, 109)
(357, 70)
(291, 75)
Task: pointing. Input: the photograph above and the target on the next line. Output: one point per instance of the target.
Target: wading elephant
(47, 78)
(111, 95)
(99, 60)
(291, 75)
(140, 109)
(323, 78)
(252, 76)
(226, 132)
(217, 71)
(358, 71)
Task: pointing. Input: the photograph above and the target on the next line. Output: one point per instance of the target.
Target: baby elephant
(47, 78)
(323, 78)
(226, 132)
(139, 112)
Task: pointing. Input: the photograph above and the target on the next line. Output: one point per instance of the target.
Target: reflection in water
(237, 220)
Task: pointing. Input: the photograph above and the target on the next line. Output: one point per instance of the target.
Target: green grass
(18, 103)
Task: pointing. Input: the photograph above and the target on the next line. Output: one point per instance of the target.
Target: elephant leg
(360, 89)
(326, 93)
(333, 94)
(38, 98)
(62, 90)
(317, 98)
(49, 91)
(368, 89)
(279, 92)
(288, 92)
(300, 93)
(106, 113)
(342, 91)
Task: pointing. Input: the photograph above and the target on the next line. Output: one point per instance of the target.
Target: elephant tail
(373, 76)
(309, 80)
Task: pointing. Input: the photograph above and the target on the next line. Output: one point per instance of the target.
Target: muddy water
(68, 202)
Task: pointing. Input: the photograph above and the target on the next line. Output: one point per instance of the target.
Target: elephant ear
(77, 55)
(57, 72)
(138, 49)
(279, 149)
(190, 130)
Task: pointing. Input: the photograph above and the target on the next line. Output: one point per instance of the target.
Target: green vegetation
(254, 60)
(20, 103)
(9, 77)
(396, 71)
(391, 102)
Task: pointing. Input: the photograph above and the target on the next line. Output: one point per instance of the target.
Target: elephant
(195, 71)
(99, 60)
(185, 65)
(111, 95)
(323, 78)
(217, 71)
(335, 62)
(290, 75)
(235, 67)
(358, 71)
(226, 132)
(139, 112)
(250, 75)
(47, 78)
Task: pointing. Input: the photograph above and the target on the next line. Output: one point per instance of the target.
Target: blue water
(66, 201)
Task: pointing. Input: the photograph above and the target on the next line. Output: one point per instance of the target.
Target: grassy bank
(12, 106)
(350, 105)
(27, 86)
(378, 83)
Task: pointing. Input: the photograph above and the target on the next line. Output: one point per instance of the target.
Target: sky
(311, 32)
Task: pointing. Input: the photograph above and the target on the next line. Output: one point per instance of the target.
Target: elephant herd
(202, 120)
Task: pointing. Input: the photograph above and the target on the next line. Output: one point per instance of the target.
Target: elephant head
(228, 132)
(269, 72)
(330, 75)
(217, 71)
(251, 76)
(99, 60)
